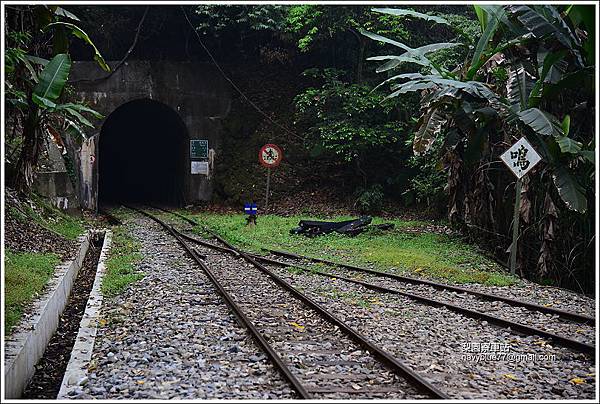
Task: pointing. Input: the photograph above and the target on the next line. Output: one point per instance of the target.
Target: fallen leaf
(356, 386)
(577, 380)
(580, 330)
(510, 376)
(298, 326)
(140, 382)
(93, 365)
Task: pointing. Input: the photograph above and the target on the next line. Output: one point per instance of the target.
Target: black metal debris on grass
(313, 228)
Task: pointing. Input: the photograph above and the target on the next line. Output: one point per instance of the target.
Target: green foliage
(510, 88)
(52, 81)
(304, 19)
(411, 13)
(450, 91)
(427, 186)
(370, 199)
(54, 219)
(79, 33)
(346, 119)
(120, 266)
(432, 255)
(569, 190)
(25, 275)
(242, 20)
(35, 86)
(313, 25)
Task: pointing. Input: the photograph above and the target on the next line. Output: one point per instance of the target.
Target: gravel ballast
(170, 336)
(292, 329)
(464, 357)
(544, 321)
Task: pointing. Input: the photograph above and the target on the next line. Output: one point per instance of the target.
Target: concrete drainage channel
(42, 359)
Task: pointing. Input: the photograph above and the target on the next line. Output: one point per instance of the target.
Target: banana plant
(47, 92)
(517, 105)
(39, 94)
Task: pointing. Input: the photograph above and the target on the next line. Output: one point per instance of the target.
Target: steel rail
(187, 219)
(112, 219)
(518, 327)
(583, 318)
(389, 360)
(392, 362)
(483, 295)
(398, 367)
(262, 342)
(522, 328)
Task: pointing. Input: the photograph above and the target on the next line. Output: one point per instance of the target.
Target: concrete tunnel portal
(142, 155)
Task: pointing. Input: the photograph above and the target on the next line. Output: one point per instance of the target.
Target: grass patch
(428, 254)
(52, 218)
(25, 275)
(120, 266)
(122, 213)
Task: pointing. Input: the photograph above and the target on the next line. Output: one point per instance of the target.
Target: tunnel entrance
(142, 155)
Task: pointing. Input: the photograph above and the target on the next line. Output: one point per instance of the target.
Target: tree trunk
(361, 172)
(362, 44)
(361, 59)
(30, 152)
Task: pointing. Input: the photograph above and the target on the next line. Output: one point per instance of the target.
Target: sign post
(520, 158)
(268, 186)
(515, 230)
(269, 156)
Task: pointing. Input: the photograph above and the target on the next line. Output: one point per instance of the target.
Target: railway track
(518, 327)
(110, 218)
(568, 315)
(441, 286)
(288, 325)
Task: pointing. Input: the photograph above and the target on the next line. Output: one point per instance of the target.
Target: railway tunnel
(142, 155)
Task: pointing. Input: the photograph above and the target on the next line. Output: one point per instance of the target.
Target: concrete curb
(81, 355)
(24, 348)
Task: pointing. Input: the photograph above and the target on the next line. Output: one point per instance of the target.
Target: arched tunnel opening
(142, 155)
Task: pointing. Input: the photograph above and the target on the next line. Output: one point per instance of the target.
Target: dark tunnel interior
(142, 155)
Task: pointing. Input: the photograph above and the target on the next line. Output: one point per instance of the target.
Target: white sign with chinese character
(521, 157)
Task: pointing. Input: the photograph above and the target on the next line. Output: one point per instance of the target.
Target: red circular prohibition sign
(270, 155)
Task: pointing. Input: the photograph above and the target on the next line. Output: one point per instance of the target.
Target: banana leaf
(79, 33)
(569, 190)
(52, 80)
(411, 13)
(541, 122)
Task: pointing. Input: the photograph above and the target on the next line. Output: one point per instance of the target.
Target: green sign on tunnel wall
(198, 149)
